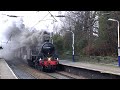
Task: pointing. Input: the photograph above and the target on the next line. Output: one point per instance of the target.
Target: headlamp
(40, 59)
(49, 59)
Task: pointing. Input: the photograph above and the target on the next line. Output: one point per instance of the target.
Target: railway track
(57, 75)
(35, 73)
(47, 75)
(23, 71)
(63, 75)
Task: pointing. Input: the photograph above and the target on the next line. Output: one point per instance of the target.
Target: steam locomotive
(43, 57)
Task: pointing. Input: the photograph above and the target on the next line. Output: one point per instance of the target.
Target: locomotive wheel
(38, 67)
(36, 64)
(30, 63)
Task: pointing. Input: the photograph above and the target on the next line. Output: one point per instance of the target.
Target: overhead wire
(40, 20)
(52, 16)
(43, 18)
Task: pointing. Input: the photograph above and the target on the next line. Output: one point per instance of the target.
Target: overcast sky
(30, 19)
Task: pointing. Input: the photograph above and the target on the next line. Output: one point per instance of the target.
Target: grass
(104, 60)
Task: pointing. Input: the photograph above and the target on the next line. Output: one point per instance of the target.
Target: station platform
(110, 69)
(5, 71)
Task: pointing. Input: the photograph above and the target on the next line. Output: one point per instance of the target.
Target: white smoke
(18, 36)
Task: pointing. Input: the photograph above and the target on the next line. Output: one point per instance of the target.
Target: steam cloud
(19, 36)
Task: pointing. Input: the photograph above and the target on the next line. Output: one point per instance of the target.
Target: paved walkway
(96, 67)
(5, 71)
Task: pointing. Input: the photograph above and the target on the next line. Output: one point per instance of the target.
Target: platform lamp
(118, 40)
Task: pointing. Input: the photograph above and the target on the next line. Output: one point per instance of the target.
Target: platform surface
(95, 67)
(5, 71)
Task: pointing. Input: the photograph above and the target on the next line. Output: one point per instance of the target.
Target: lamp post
(118, 40)
(72, 45)
(72, 37)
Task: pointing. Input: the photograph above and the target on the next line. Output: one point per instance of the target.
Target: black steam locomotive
(42, 57)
